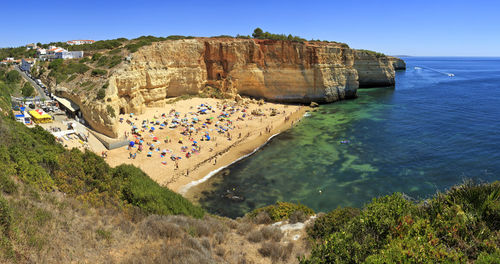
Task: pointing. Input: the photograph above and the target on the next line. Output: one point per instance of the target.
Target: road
(39, 89)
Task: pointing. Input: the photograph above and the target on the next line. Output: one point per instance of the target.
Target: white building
(80, 42)
(68, 55)
(54, 52)
(41, 51)
(31, 46)
(26, 64)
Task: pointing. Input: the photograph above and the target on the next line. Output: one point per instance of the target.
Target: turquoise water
(428, 133)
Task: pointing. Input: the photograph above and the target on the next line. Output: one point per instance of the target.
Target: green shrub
(489, 258)
(5, 217)
(327, 224)
(27, 90)
(146, 41)
(374, 53)
(141, 191)
(281, 210)
(99, 72)
(115, 60)
(455, 227)
(84, 59)
(115, 51)
(101, 94)
(74, 67)
(110, 110)
(96, 57)
(60, 70)
(258, 33)
(71, 78)
(13, 76)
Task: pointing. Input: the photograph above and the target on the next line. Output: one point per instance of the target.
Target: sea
(428, 133)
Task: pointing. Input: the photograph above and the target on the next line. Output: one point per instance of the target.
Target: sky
(417, 28)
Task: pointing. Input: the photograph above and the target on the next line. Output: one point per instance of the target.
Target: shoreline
(185, 189)
(248, 134)
(245, 150)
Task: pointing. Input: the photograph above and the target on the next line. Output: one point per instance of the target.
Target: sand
(246, 132)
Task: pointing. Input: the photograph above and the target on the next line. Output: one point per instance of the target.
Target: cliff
(281, 71)
(398, 64)
(374, 69)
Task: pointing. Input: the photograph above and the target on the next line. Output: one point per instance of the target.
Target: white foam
(184, 189)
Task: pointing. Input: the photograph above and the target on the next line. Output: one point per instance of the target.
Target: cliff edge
(274, 70)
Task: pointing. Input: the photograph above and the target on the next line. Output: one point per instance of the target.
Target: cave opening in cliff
(218, 76)
(122, 110)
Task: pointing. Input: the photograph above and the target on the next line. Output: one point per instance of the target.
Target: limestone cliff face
(280, 71)
(274, 70)
(373, 70)
(398, 64)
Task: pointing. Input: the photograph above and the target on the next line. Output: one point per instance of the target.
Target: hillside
(59, 205)
(67, 206)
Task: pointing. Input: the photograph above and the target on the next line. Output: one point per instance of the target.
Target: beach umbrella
(134, 127)
(162, 125)
(153, 128)
(155, 138)
(150, 153)
(132, 143)
(142, 141)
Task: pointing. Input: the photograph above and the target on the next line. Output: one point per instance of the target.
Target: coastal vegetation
(461, 225)
(258, 33)
(27, 90)
(374, 53)
(282, 211)
(16, 52)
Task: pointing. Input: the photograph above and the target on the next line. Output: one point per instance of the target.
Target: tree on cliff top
(258, 33)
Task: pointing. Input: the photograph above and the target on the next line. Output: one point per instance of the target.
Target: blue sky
(421, 28)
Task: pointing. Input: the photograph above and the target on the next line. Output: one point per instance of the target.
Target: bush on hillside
(27, 90)
(101, 94)
(455, 227)
(60, 70)
(327, 224)
(13, 76)
(281, 211)
(141, 191)
(99, 72)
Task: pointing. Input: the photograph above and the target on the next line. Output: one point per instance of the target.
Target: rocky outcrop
(374, 69)
(281, 71)
(398, 64)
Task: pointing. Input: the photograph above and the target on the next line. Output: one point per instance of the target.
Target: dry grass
(56, 229)
(272, 233)
(255, 236)
(276, 251)
(263, 218)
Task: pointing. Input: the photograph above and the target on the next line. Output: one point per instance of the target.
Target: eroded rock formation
(282, 71)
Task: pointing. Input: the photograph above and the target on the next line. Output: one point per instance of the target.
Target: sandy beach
(186, 140)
